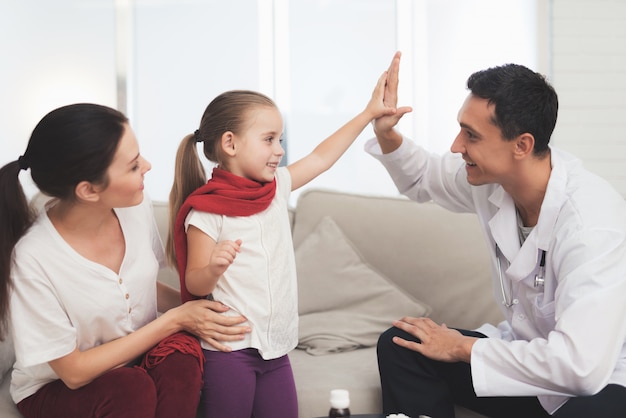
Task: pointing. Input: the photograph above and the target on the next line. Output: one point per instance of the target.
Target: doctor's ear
(228, 143)
(524, 145)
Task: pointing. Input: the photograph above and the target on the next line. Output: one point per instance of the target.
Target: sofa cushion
(434, 255)
(344, 304)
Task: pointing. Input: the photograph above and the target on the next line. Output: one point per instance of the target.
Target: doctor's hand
(383, 126)
(438, 342)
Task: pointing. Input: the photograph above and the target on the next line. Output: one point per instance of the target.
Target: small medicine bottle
(339, 403)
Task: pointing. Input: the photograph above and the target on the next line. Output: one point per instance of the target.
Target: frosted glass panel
(467, 36)
(337, 52)
(338, 49)
(53, 53)
(186, 54)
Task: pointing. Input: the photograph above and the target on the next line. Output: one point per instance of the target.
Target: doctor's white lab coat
(567, 337)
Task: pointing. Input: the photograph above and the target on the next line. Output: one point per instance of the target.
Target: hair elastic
(22, 162)
(197, 135)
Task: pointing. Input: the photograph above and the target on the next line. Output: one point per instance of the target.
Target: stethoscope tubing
(539, 277)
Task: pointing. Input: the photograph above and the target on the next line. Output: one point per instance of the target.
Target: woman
(84, 296)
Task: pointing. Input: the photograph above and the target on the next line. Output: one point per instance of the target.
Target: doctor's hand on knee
(437, 342)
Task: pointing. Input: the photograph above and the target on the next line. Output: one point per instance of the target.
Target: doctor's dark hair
(228, 112)
(69, 145)
(524, 102)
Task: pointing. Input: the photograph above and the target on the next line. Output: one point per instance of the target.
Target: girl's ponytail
(189, 174)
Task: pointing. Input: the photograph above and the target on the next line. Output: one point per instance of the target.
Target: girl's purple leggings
(241, 384)
(170, 389)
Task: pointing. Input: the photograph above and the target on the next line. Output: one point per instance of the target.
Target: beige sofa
(436, 257)
(362, 262)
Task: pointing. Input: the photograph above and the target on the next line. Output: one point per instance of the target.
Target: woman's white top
(62, 300)
(261, 283)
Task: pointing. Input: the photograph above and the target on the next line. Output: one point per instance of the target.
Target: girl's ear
(228, 143)
(87, 192)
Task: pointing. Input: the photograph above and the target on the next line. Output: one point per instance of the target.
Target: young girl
(231, 241)
(84, 294)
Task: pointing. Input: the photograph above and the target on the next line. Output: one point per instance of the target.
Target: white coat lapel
(503, 225)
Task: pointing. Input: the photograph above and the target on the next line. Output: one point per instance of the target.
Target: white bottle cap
(339, 398)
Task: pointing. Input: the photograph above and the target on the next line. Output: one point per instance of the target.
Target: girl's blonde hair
(226, 113)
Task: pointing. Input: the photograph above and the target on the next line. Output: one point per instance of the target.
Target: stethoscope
(539, 277)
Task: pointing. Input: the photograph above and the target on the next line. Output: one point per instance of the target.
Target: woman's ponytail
(15, 219)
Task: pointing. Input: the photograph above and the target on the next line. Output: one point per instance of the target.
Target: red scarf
(224, 194)
(180, 341)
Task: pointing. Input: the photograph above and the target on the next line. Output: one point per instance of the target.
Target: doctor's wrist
(464, 349)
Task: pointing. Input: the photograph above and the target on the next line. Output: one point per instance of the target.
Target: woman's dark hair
(524, 102)
(69, 145)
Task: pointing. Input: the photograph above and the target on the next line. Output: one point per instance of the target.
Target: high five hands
(383, 126)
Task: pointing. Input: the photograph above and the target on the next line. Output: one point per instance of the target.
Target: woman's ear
(228, 143)
(86, 191)
(524, 145)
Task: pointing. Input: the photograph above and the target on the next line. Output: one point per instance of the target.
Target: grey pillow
(344, 304)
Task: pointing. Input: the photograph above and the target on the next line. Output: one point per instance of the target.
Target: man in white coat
(557, 235)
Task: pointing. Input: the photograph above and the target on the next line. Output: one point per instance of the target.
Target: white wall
(589, 74)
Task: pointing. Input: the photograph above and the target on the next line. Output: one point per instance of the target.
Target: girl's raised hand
(385, 123)
(376, 106)
(223, 256)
